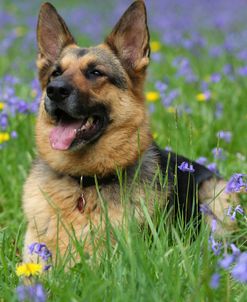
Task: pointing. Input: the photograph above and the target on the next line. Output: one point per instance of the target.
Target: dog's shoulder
(183, 185)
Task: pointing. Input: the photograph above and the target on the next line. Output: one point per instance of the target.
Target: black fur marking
(183, 185)
(88, 181)
(80, 52)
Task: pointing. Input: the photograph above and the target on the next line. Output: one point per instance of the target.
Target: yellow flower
(152, 96)
(171, 109)
(155, 46)
(4, 137)
(204, 96)
(28, 269)
(2, 105)
(200, 97)
(155, 135)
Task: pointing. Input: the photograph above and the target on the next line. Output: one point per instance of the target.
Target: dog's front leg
(30, 237)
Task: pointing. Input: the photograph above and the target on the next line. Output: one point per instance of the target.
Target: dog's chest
(58, 209)
(50, 200)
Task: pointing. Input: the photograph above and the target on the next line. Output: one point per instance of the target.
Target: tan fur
(212, 193)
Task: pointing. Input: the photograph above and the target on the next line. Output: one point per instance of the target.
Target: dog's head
(92, 115)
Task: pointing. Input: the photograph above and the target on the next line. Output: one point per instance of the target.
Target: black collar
(88, 181)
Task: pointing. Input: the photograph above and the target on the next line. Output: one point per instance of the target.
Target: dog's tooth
(82, 128)
(90, 120)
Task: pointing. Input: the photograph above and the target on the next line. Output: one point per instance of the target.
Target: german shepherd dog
(92, 127)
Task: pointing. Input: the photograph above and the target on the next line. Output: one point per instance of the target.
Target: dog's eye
(57, 72)
(94, 73)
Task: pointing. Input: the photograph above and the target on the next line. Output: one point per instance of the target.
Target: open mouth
(73, 133)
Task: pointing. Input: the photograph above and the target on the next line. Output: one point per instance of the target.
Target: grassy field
(196, 88)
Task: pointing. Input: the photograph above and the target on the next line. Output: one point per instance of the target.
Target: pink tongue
(62, 136)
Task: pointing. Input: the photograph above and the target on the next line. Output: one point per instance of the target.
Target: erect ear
(129, 39)
(52, 33)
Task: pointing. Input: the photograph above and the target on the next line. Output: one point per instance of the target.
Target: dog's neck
(88, 181)
(146, 165)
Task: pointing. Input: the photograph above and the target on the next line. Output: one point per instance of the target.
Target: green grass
(158, 262)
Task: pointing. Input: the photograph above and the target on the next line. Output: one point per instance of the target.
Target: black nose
(58, 90)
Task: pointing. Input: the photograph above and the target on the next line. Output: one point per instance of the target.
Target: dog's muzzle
(78, 120)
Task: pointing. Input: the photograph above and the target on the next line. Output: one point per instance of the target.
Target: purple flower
(40, 249)
(215, 77)
(229, 210)
(34, 293)
(22, 106)
(168, 98)
(47, 267)
(215, 280)
(233, 216)
(9, 92)
(12, 80)
(207, 94)
(3, 121)
(215, 51)
(233, 213)
(31, 247)
(236, 183)
(235, 250)
(186, 167)
(213, 225)
(160, 86)
(205, 209)
(213, 168)
(216, 246)
(242, 55)
(239, 271)
(218, 153)
(226, 261)
(218, 110)
(14, 134)
(202, 160)
(239, 209)
(228, 69)
(225, 135)
(156, 56)
(242, 71)
(45, 254)
(184, 69)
